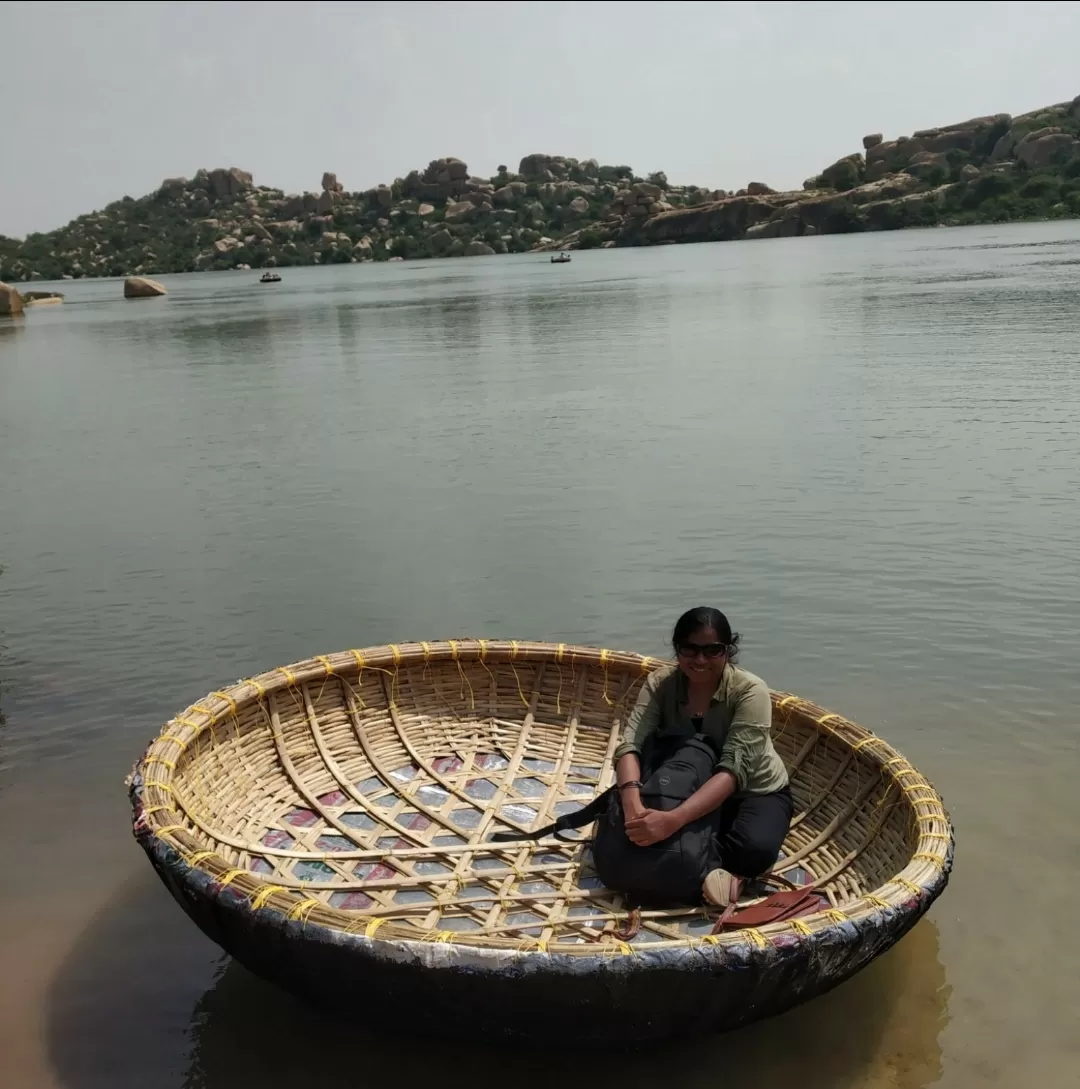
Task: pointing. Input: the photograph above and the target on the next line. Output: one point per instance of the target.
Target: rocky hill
(988, 169)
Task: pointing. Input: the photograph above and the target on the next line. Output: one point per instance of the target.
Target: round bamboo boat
(328, 825)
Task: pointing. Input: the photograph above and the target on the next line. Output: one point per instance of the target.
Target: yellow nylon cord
(259, 900)
(228, 878)
(909, 885)
(756, 937)
(800, 927)
(372, 926)
(836, 915)
(300, 912)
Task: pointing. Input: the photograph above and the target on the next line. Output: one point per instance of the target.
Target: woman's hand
(652, 826)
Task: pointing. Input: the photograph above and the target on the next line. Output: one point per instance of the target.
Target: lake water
(866, 449)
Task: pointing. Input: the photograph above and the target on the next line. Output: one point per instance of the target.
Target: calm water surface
(866, 449)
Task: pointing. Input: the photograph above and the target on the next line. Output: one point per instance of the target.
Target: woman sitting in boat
(706, 693)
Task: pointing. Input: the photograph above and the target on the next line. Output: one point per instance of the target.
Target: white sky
(105, 100)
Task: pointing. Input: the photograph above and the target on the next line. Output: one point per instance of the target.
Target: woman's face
(702, 656)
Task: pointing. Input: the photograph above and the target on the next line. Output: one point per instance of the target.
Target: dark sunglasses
(709, 650)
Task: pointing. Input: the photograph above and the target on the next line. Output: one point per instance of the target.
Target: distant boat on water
(269, 278)
(561, 259)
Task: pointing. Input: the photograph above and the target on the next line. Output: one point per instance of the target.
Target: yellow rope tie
(756, 937)
(625, 949)
(876, 901)
(800, 927)
(646, 664)
(151, 809)
(300, 912)
(258, 901)
(906, 771)
(426, 648)
(786, 700)
(198, 727)
(395, 650)
(911, 788)
(456, 655)
(513, 668)
(167, 787)
(836, 915)
(198, 856)
(226, 879)
(711, 939)
(170, 764)
(446, 936)
(289, 676)
(360, 662)
(865, 741)
(541, 945)
(925, 856)
(560, 652)
(825, 718)
(909, 885)
(326, 664)
(935, 835)
(894, 760)
(202, 710)
(929, 818)
(172, 737)
(226, 698)
(604, 656)
(258, 687)
(169, 830)
(373, 925)
(483, 649)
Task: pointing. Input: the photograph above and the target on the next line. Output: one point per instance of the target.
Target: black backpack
(667, 872)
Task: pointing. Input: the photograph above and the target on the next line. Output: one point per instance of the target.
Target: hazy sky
(103, 100)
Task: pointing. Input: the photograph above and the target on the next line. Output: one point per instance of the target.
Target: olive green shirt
(739, 719)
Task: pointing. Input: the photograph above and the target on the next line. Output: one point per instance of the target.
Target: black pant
(752, 831)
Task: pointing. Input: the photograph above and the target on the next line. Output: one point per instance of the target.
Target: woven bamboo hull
(327, 825)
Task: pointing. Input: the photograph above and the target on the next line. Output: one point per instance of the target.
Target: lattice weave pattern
(359, 790)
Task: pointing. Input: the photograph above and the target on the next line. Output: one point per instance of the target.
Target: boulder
(886, 188)
(882, 151)
(477, 248)
(969, 172)
(508, 193)
(330, 182)
(457, 210)
(534, 166)
(1004, 147)
(924, 162)
(647, 189)
(759, 189)
(579, 205)
(384, 196)
(173, 186)
(441, 241)
(324, 203)
(140, 287)
(1044, 150)
(425, 209)
(10, 300)
(872, 140)
(877, 169)
(230, 182)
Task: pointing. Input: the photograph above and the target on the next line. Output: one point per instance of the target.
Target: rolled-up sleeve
(747, 743)
(644, 718)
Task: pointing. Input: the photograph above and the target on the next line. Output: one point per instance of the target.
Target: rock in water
(478, 249)
(140, 287)
(10, 300)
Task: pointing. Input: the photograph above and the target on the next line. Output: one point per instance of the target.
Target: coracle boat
(269, 278)
(328, 824)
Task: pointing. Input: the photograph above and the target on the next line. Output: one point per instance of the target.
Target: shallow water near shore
(866, 449)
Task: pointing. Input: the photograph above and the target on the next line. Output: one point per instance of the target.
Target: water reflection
(144, 1000)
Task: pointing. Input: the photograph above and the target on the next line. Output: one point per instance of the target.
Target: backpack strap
(578, 819)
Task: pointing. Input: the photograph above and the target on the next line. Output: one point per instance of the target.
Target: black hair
(703, 617)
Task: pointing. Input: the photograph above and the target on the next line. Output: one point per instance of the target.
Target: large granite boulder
(539, 166)
(872, 140)
(10, 300)
(508, 193)
(330, 182)
(324, 203)
(441, 241)
(1043, 148)
(458, 210)
(384, 196)
(173, 187)
(425, 209)
(579, 205)
(759, 189)
(141, 287)
(924, 163)
(477, 248)
(228, 182)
